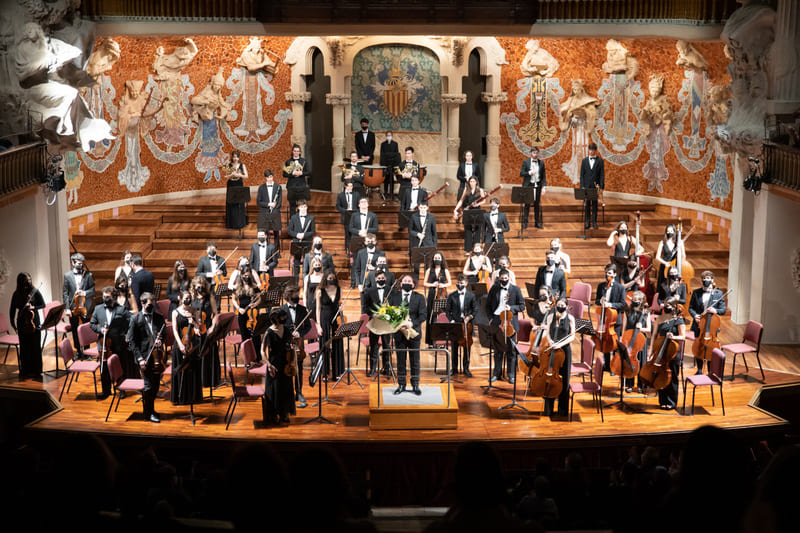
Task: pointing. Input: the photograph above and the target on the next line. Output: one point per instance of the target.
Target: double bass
(685, 269)
(624, 362)
(656, 371)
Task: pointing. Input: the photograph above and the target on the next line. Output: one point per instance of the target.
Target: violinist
(504, 297)
(295, 313)
(77, 282)
(621, 243)
(186, 386)
(243, 266)
(563, 260)
(124, 267)
(477, 267)
(504, 263)
(246, 301)
(366, 260)
(436, 280)
(705, 299)
(262, 255)
(495, 223)
(632, 278)
(328, 300)
(669, 324)
(124, 296)
(374, 296)
(551, 276)
(636, 316)
(560, 328)
(473, 193)
(416, 315)
(672, 287)
(24, 317)
(205, 306)
(279, 390)
(110, 321)
(210, 265)
(668, 249)
(611, 295)
(461, 309)
(143, 338)
(177, 282)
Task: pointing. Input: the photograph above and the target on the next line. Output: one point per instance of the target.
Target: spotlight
(753, 180)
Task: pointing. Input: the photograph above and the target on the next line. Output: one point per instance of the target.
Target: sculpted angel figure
(103, 58)
(689, 57)
(716, 103)
(170, 66)
(210, 103)
(538, 62)
(579, 106)
(619, 61)
(254, 58)
(658, 110)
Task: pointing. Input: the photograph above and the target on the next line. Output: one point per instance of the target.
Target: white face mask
(389, 138)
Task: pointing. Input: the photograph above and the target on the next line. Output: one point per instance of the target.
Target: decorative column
(492, 168)
(451, 103)
(785, 74)
(339, 102)
(298, 101)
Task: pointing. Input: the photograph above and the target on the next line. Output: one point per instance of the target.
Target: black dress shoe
(467, 373)
(102, 396)
(371, 373)
(494, 378)
(155, 419)
(399, 389)
(417, 391)
(594, 225)
(302, 405)
(586, 226)
(300, 398)
(539, 225)
(512, 380)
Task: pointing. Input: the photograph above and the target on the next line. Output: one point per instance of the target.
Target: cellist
(560, 328)
(636, 315)
(611, 295)
(670, 324)
(707, 298)
(461, 310)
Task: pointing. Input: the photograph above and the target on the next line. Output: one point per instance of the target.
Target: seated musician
(671, 325)
(707, 298)
(210, 265)
(366, 260)
(504, 263)
(302, 228)
(263, 257)
(296, 172)
(246, 299)
(413, 195)
(611, 295)
(495, 223)
(551, 276)
(317, 251)
(562, 258)
(477, 267)
(243, 266)
(461, 308)
(406, 169)
(146, 333)
(672, 286)
(504, 297)
(636, 315)
(353, 170)
(347, 202)
(421, 232)
(468, 201)
(560, 328)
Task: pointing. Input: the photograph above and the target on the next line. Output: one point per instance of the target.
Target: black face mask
(212, 253)
(108, 301)
(631, 265)
(437, 262)
(673, 277)
(706, 283)
(333, 281)
(556, 248)
(148, 308)
(187, 301)
(667, 309)
(549, 262)
(542, 297)
(381, 283)
(318, 246)
(670, 235)
(370, 246)
(504, 283)
(295, 300)
(262, 239)
(635, 304)
(381, 266)
(407, 287)
(78, 268)
(317, 268)
(181, 271)
(623, 232)
(561, 308)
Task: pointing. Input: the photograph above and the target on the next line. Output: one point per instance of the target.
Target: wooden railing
(22, 166)
(782, 165)
(221, 10)
(701, 11)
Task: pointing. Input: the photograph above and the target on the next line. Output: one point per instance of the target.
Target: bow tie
(591, 159)
(494, 213)
(269, 185)
(363, 214)
(263, 245)
(415, 189)
(292, 306)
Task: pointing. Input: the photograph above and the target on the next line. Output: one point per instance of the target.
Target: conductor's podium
(409, 411)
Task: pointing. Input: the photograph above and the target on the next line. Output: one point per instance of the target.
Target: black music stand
(452, 334)
(403, 218)
(586, 195)
(472, 217)
(487, 339)
(222, 291)
(522, 196)
(238, 195)
(530, 306)
(420, 255)
(497, 249)
(313, 379)
(270, 222)
(514, 403)
(51, 321)
(213, 339)
(530, 288)
(347, 330)
(277, 284)
(478, 289)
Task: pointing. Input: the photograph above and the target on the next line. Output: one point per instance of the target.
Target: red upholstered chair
(753, 332)
(363, 337)
(233, 338)
(595, 387)
(126, 385)
(240, 392)
(585, 365)
(87, 336)
(75, 367)
(281, 272)
(583, 292)
(6, 337)
(162, 306)
(441, 318)
(311, 344)
(716, 370)
(248, 350)
(576, 307)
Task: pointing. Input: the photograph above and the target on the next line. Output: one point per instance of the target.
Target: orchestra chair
(241, 391)
(157, 290)
(248, 350)
(126, 385)
(87, 336)
(524, 334)
(583, 292)
(585, 365)
(162, 306)
(753, 332)
(655, 307)
(716, 371)
(311, 339)
(74, 368)
(575, 307)
(282, 272)
(6, 337)
(595, 387)
(363, 338)
(441, 318)
(234, 338)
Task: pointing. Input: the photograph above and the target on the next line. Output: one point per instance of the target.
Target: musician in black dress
(205, 305)
(622, 244)
(124, 296)
(328, 301)
(632, 277)
(296, 172)
(436, 280)
(465, 170)
(461, 309)
(534, 176)
(23, 316)
(560, 328)
(298, 324)
(236, 214)
(504, 297)
(709, 299)
(145, 337)
(279, 390)
(495, 223)
(179, 281)
(636, 315)
(472, 232)
(246, 301)
(416, 316)
(672, 326)
(672, 287)
(477, 267)
(186, 385)
(667, 252)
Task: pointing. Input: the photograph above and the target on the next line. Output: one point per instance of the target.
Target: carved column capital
(494, 98)
(337, 99)
(299, 140)
(454, 98)
(453, 142)
(493, 140)
(338, 143)
(304, 96)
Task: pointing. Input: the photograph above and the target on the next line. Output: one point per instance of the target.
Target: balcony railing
(21, 167)
(782, 165)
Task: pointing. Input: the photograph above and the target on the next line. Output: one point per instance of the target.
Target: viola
(624, 362)
(292, 358)
(188, 338)
(547, 381)
(468, 331)
(27, 318)
(606, 335)
(252, 318)
(157, 353)
(538, 345)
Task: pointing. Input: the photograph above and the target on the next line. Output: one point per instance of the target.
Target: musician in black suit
(77, 280)
(365, 142)
(533, 174)
(549, 275)
(465, 170)
(347, 200)
(592, 176)
(461, 308)
(317, 251)
(611, 295)
(263, 258)
(413, 195)
(142, 337)
(302, 228)
(406, 169)
(421, 232)
(373, 297)
(495, 223)
(390, 158)
(709, 299)
(210, 264)
(141, 280)
(269, 199)
(295, 313)
(416, 316)
(353, 170)
(364, 221)
(504, 296)
(296, 172)
(366, 260)
(381, 265)
(112, 321)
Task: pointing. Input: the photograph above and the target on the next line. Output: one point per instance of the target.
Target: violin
(606, 335)
(252, 318)
(158, 362)
(547, 381)
(188, 338)
(624, 362)
(27, 320)
(201, 328)
(507, 321)
(79, 309)
(656, 371)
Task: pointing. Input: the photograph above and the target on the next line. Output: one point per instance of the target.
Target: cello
(624, 362)
(709, 325)
(539, 345)
(656, 371)
(606, 335)
(547, 381)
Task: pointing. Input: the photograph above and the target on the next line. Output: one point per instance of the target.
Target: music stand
(238, 195)
(270, 222)
(403, 218)
(222, 291)
(451, 334)
(585, 195)
(51, 321)
(622, 264)
(347, 330)
(420, 255)
(277, 284)
(313, 379)
(212, 339)
(486, 338)
(522, 196)
(514, 402)
(497, 249)
(530, 306)
(478, 289)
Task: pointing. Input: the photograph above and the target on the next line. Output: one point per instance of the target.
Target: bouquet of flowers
(389, 319)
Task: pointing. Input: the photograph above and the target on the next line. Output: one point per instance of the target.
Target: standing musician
(244, 266)
(503, 297)
(422, 232)
(302, 228)
(477, 267)
(504, 263)
(124, 296)
(632, 278)
(205, 306)
(669, 324)
(186, 387)
(611, 295)
(495, 223)
(268, 199)
(390, 158)
(318, 252)
(210, 264)
(709, 299)
(279, 391)
(364, 221)
(236, 214)
(77, 282)
(262, 255)
(549, 275)
(667, 251)
(353, 170)
(560, 327)
(111, 321)
(534, 175)
(311, 281)
(406, 169)
(23, 315)
(347, 201)
(621, 243)
(672, 286)
(465, 170)
(124, 268)
(413, 196)
(365, 143)
(436, 280)
(592, 175)
(416, 316)
(144, 341)
(461, 310)
(562, 258)
(295, 313)
(246, 301)
(178, 282)
(374, 297)
(366, 260)
(141, 279)
(381, 265)
(296, 172)
(636, 315)
(328, 302)
(471, 194)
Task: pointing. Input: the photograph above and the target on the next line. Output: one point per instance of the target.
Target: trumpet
(291, 167)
